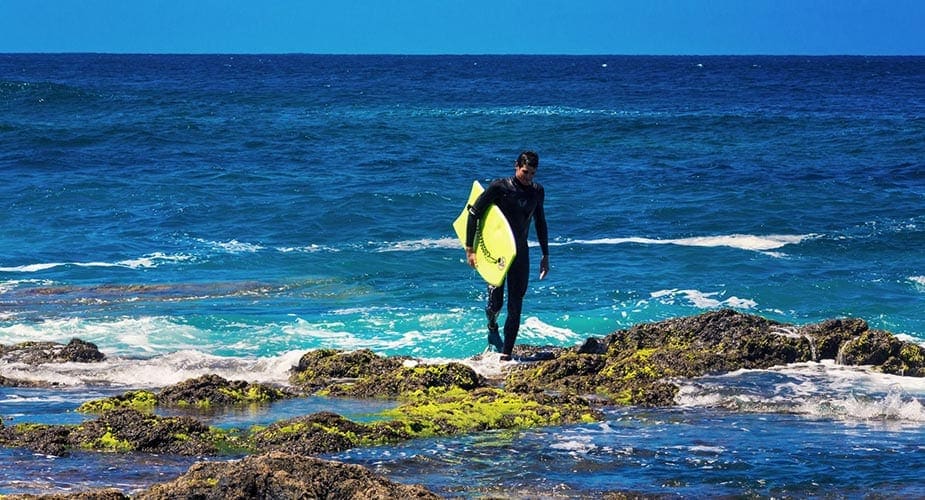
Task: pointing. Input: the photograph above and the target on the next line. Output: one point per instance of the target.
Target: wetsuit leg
(517, 278)
(495, 301)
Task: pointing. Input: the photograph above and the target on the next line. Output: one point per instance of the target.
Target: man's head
(525, 167)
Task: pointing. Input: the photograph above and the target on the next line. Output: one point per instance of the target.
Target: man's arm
(542, 234)
(475, 216)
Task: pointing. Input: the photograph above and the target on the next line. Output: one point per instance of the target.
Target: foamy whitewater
(226, 214)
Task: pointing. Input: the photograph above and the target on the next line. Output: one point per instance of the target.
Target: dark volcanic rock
(404, 379)
(884, 351)
(209, 391)
(103, 494)
(550, 386)
(364, 374)
(279, 475)
(637, 365)
(116, 430)
(132, 430)
(323, 367)
(40, 438)
(324, 432)
(15, 382)
(36, 353)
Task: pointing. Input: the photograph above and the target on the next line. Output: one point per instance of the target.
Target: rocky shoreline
(550, 386)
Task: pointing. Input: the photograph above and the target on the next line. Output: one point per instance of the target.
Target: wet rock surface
(36, 353)
(640, 365)
(281, 475)
(636, 366)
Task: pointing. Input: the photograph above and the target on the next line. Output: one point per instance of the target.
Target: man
(521, 201)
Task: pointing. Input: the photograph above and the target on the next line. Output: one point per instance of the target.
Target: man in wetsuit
(521, 201)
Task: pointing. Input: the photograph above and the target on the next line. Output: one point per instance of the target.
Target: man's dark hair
(528, 158)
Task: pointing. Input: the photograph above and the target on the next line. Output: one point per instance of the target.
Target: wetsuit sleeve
(542, 232)
(476, 210)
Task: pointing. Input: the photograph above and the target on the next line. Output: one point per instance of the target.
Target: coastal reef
(641, 365)
(282, 475)
(203, 393)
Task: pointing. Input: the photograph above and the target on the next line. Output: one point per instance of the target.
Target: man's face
(525, 174)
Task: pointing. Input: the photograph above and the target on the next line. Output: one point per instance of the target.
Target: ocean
(227, 213)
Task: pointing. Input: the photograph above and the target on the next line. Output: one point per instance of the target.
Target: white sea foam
(118, 336)
(488, 364)
(826, 389)
(919, 281)
(705, 300)
(893, 406)
(307, 249)
(377, 333)
(704, 449)
(31, 268)
(739, 241)
(422, 244)
(159, 371)
(232, 246)
(540, 332)
(575, 444)
(143, 262)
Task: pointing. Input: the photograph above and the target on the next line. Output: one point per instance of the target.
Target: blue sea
(228, 213)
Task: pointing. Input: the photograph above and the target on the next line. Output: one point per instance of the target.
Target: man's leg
(517, 278)
(495, 301)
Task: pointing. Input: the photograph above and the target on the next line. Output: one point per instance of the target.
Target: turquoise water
(224, 214)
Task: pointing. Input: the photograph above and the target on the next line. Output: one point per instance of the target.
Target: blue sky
(659, 27)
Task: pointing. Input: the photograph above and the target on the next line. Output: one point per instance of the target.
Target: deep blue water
(197, 214)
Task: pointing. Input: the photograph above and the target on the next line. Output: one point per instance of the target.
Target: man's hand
(544, 266)
(470, 257)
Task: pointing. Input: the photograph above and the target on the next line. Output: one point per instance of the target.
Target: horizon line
(448, 54)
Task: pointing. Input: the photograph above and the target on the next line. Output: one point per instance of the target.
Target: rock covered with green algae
(636, 366)
(425, 413)
(274, 475)
(282, 475)
(118, 430)
(366, 375)
(434, 400)
(443, 412)
(322, 368)
(207, 392)
(210, 391)
(323, 432)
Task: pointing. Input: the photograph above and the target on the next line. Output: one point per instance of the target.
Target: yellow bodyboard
(494, 243)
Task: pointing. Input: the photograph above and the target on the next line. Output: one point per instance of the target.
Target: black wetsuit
(520, 205)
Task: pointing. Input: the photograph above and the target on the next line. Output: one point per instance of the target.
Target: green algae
(109, 442)
(440, 412)
(143, 401)
(912, 355)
